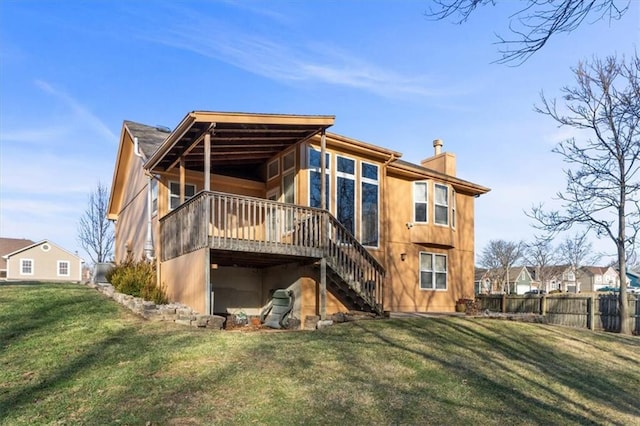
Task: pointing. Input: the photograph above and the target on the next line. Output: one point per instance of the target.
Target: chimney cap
(437, 142)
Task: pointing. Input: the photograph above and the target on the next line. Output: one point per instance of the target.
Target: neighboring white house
(43, 261)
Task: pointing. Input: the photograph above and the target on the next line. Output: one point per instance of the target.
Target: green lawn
(69, 355)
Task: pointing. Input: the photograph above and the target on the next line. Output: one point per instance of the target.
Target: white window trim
(269, 176)
(318, 169)
(454, 209)
(435, 204)
(186, 198)
(60, 262)
(433, 262)
(426, 202)
(352, 177)
(22, 267)
(375, 182)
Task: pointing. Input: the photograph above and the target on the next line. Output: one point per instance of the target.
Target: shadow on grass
(592, 384)
(26, 314)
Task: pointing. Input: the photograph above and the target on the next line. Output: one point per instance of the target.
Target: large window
(433, 271)
(26, 266)
(314, 178)
(289, 193)
(63, 268)
(420, 202)
(369, 205)
(346, 192)
(174, 193)
(441, 204)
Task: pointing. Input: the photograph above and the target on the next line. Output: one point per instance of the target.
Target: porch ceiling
(236, 139)
(255, 260)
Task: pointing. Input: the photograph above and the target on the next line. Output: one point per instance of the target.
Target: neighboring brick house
(42, 261)
(232, 206)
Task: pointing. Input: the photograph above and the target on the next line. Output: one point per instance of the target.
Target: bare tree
(533, 24)
(498, 257)
(95, 232)
(541, 254)
(603, 187)
(577, 251)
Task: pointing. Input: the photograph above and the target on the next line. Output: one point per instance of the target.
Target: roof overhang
(236, 138)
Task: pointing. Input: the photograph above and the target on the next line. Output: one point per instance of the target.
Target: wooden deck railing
(247, 224)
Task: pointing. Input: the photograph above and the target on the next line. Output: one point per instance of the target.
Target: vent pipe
(437, 146)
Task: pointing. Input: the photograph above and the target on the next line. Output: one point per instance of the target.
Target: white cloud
(288, 61)
(80, 111)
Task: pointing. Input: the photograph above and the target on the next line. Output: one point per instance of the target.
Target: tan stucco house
(232, 206)
(41, 261)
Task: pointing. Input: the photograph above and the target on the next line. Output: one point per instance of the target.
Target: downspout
(148, 242)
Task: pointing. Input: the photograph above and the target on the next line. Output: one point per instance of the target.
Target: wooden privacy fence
(594, 311)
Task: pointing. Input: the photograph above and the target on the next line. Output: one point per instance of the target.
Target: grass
(69, 355)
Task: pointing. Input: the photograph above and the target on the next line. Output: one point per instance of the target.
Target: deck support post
(323, 289)
(323, 170)
(183, 179)
(207, 161)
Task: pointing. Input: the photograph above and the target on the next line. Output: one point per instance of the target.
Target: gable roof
(479, 274)
(149, 137)
(39, 243)
(10, 245)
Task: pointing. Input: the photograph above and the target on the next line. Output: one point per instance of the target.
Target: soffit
(236, 139)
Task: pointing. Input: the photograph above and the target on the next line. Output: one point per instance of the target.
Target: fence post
(503, 303)
(591, 315)
(543, 305)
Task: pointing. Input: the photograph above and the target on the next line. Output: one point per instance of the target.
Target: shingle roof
(149, 138)
(9, 245)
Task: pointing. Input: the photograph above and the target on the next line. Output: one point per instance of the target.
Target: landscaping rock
(324, 324)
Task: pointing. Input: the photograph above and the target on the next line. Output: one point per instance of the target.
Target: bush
(137, 278)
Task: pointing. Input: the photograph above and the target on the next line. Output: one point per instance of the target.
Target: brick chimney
(443, 162)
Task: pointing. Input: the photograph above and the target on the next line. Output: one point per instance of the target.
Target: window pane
(426, 262)
(441, 263)
(346, 165)
(273, 169)
(421, 212)
(369, 214)
(441, 281)
(442, 195)
(442, 217)
(289, 161)
(426, 280)
(189, 191)
(315, 190)
(369, 171)
(420, 191)
(346, 203)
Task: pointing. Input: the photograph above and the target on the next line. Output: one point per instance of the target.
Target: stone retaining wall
(173, 312)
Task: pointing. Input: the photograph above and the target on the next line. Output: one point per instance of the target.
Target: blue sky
(72, 71)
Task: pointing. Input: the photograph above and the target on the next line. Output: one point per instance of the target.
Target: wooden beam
(183, 179)
(323, 167)
(207, 161)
